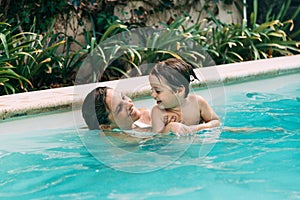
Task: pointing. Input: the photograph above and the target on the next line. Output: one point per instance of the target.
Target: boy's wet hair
(94, 108)
(176, 72)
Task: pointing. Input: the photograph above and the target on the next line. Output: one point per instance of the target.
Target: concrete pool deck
(71, 97)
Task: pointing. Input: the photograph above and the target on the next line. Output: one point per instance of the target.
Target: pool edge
(68, 98)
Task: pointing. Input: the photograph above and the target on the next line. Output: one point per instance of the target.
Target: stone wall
(149, 14)
(70, 25)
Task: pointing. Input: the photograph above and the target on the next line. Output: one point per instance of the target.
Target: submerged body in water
(60, 160)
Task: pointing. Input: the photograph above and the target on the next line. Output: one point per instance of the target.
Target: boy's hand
(171, 117)
(177, 128)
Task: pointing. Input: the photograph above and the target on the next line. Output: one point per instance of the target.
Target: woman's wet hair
(176, 72)
(94, 108)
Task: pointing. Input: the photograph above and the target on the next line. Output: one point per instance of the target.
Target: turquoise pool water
(44, 156)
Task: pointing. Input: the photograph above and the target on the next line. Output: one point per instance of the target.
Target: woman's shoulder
(145, 115)
(144, 110)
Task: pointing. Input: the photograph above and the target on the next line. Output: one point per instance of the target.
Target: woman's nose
(129, 101)
(129, 104)
(153, 94)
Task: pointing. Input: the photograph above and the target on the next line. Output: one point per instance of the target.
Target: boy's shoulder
(156, 109)
(194, 97)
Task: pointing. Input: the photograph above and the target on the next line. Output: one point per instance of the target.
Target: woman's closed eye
(119, 108)
(124, 97)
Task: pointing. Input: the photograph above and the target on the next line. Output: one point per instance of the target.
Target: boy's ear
(180, 91)
(105, 127)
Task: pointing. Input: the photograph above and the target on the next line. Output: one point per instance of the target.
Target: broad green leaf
(119, 70)
(168, 52)
(111, 29)
(240, 58)
(3, 40)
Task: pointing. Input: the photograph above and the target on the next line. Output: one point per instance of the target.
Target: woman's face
(122, 112)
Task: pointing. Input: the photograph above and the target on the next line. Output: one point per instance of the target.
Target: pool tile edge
(68, 98)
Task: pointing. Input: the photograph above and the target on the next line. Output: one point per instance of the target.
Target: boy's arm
(209, 116)
(179, 128)
(158, 125)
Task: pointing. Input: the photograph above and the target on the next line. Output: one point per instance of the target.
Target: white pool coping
(65, 98)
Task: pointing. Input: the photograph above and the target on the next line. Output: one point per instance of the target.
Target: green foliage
(38, 12)
(12, 47)
(225, 43)
(31, 61)
(131, 53)
(235, 43)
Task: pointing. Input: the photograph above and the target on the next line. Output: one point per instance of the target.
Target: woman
(105, 108)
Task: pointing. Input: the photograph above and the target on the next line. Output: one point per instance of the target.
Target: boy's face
(163, 94)
(122, 111)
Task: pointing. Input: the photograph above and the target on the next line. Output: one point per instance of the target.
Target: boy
(176, 109)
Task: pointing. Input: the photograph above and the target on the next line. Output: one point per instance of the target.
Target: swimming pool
(50, 161)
